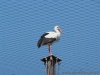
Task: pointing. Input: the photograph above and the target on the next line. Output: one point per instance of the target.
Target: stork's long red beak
(61, 31)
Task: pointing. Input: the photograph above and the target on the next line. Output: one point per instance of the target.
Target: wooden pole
(50, 62)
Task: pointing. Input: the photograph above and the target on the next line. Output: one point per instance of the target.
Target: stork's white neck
(57, 31)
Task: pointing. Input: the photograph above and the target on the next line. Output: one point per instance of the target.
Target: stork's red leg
(50, 47)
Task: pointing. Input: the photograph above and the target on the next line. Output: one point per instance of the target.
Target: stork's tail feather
(39, 43)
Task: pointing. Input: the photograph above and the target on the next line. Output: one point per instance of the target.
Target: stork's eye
(57, 27)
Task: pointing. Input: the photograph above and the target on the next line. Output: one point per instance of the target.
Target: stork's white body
(55, 35)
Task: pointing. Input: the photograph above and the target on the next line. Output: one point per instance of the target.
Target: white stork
(49, 38)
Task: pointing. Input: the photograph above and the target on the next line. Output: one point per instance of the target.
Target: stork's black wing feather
(41, 39)
(44, 35)
(48, 40)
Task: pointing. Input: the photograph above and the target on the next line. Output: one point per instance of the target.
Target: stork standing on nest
(49, 38)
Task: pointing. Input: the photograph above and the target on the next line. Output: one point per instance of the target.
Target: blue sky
(22, 22)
